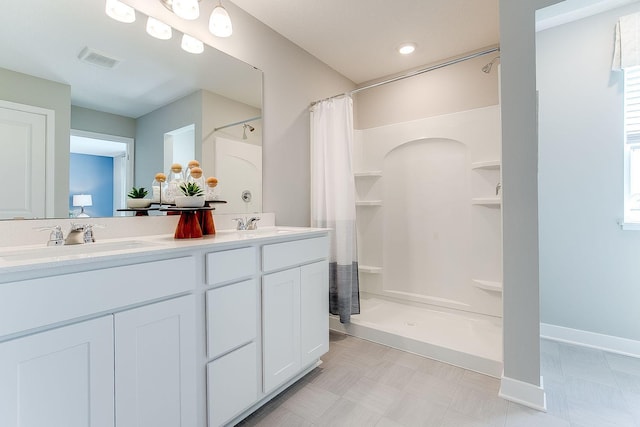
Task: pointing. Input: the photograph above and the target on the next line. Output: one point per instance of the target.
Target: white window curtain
(333, 199)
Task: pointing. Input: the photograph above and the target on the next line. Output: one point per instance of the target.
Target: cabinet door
(232, 384)
(155, 365)
(281, 327)
(314, 302)
(62, 377)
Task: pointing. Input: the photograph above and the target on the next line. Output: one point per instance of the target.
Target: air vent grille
(95, 57)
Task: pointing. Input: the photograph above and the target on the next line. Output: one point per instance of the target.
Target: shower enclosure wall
(429, 237)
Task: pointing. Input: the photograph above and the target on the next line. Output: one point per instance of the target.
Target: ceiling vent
(95, 57)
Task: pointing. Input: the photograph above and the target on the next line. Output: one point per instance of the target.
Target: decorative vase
(189, 201)
(138, 203)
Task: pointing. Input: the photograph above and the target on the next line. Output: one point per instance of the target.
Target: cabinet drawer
(231, 317)
(288, 254)
(39, 302)
(235, 264)
(232, 384)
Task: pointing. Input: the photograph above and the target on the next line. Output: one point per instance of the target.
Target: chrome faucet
(79, 234)
(252, 223)
(247, 224)
(56, 238)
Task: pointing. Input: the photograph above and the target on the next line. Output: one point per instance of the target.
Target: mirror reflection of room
(101, 98)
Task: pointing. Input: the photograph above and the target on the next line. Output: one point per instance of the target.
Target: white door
(62, 377)
(238, 167)
(155, 365)
(314, 311)
(281, 327)
(26, 144)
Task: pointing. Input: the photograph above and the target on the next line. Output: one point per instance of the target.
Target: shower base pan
(467, 340)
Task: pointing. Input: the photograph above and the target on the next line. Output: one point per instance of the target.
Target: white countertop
(20, 259)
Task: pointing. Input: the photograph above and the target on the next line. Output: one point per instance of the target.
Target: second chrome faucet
(247, 223)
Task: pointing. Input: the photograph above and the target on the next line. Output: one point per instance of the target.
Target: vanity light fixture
(407, 48)
(120, 11)
(191, 44)
(220, 22)
(186, 9)
(158, 29)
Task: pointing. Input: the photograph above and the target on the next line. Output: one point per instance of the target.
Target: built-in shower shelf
(369, 269)
(486, 201)
(492, 164)
(368, 174)
(488, 285)
(369, 203)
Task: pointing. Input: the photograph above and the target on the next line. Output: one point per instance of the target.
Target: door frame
(120, 183)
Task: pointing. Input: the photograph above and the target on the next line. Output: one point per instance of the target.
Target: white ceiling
(43, 38)
(359, 38)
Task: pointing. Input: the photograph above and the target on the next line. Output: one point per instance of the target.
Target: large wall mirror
(92, 106)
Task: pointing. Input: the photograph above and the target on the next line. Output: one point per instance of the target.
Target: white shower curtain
(333, 199)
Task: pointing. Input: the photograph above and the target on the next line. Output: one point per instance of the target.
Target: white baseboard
(590, 339)
(523, 393)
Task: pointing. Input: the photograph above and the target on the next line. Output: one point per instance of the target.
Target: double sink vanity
(150, 331)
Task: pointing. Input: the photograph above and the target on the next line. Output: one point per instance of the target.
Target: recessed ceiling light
(407, 48)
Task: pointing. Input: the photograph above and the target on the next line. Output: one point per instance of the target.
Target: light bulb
(158, 29)
(220, 23)
(120, 11)
(191, 44)
(186, 9)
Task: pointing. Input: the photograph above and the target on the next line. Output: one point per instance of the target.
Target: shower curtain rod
(238, 123)
(415, 73)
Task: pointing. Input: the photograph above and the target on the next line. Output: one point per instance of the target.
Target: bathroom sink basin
(266, 232)
(89, 249)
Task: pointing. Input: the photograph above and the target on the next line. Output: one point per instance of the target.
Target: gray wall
(26, 89)
(589, 271)
(459, 87)
(292, 80)
(150, 130)
(521, 315)
(97, 121)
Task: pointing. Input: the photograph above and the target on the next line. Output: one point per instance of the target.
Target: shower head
(487, 68)
(246, 126)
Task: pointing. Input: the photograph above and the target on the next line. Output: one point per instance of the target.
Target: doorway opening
(100, 165)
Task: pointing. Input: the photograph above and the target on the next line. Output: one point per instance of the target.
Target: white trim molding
(523, 393)
(608, 343)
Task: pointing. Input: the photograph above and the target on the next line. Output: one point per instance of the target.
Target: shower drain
(410, 323)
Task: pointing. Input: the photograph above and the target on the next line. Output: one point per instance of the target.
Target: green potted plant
(193, 196)
(136, 198)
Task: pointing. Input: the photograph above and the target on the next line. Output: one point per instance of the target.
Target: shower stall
(429, 237)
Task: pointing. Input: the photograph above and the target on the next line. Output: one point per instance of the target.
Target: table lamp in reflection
(82, 200)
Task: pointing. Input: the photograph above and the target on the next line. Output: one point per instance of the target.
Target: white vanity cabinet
(295, 321)
(124, 367)
(196, 334)
(232, 333)
(61, 377)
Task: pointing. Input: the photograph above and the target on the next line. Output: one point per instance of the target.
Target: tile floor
(365, 384)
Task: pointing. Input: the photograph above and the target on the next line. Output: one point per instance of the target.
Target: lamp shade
(82, 200)
(191, 44)
(186, 9)
(220, 22)
(120, 11)
(158, 29)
